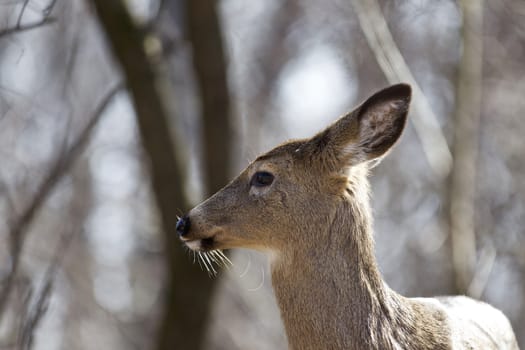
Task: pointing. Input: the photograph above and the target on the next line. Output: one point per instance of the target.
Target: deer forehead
(282, 158)
(274, 165)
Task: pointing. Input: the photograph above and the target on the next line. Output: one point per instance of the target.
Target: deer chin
(200, 241)
(201, 245)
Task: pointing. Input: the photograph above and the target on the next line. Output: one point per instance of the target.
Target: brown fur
(314, 221)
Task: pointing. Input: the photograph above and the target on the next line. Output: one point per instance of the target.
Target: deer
(305, 204)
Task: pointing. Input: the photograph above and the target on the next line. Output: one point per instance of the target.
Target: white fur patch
(194, 245)
(353, 152)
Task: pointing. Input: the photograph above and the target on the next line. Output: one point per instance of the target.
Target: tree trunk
(209, 63)
(188, 289)
(465, 148)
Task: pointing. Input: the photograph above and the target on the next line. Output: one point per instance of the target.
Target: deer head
(288, 196)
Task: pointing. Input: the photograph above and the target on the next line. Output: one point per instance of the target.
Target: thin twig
(393, 65)
(21, 14)
(47, 10)
(62, 164)
(10, 3)
(482, 273)
(35, 315)
(26, 27)
(39, 308)
(9, 200)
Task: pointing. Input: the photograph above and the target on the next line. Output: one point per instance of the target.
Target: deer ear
(369, 131)
(381, 121)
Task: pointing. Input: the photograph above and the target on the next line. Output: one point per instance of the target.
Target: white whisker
(206, 260)
(215, 258)
(247, 266)
(225, 257)
(200, 259)
(209, 262)
(219, 258)
(260, 285)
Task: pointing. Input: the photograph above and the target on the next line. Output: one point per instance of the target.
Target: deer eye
(261, 179)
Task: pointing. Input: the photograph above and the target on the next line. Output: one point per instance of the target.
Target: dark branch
(34, 316)
(210, 70)
(38, 310)
(61, 165)
(21, 15)
(47, 10)
(27, 27)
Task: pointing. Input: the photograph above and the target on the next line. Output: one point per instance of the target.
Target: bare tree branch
(34, 315)
(47, 10)
(21, 14)
(18, 28)
(62, 164)
(396, 70)
(76, 212)
(210, 68)
(466, 134)
(482, 272)
(26, 27)
(39, 308)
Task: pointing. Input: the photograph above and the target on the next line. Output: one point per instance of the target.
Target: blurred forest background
(117, 116)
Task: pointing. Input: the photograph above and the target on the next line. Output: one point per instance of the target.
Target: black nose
(183, 225)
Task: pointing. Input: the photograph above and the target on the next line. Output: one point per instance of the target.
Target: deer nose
(183, 225)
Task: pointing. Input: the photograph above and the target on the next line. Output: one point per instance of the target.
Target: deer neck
(330, 293)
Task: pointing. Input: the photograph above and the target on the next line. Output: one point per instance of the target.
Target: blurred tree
(61, 165)
(189, 291)
(204, 32)
(465, 147)
(272, 52)
(393, 65)
(117, 286)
